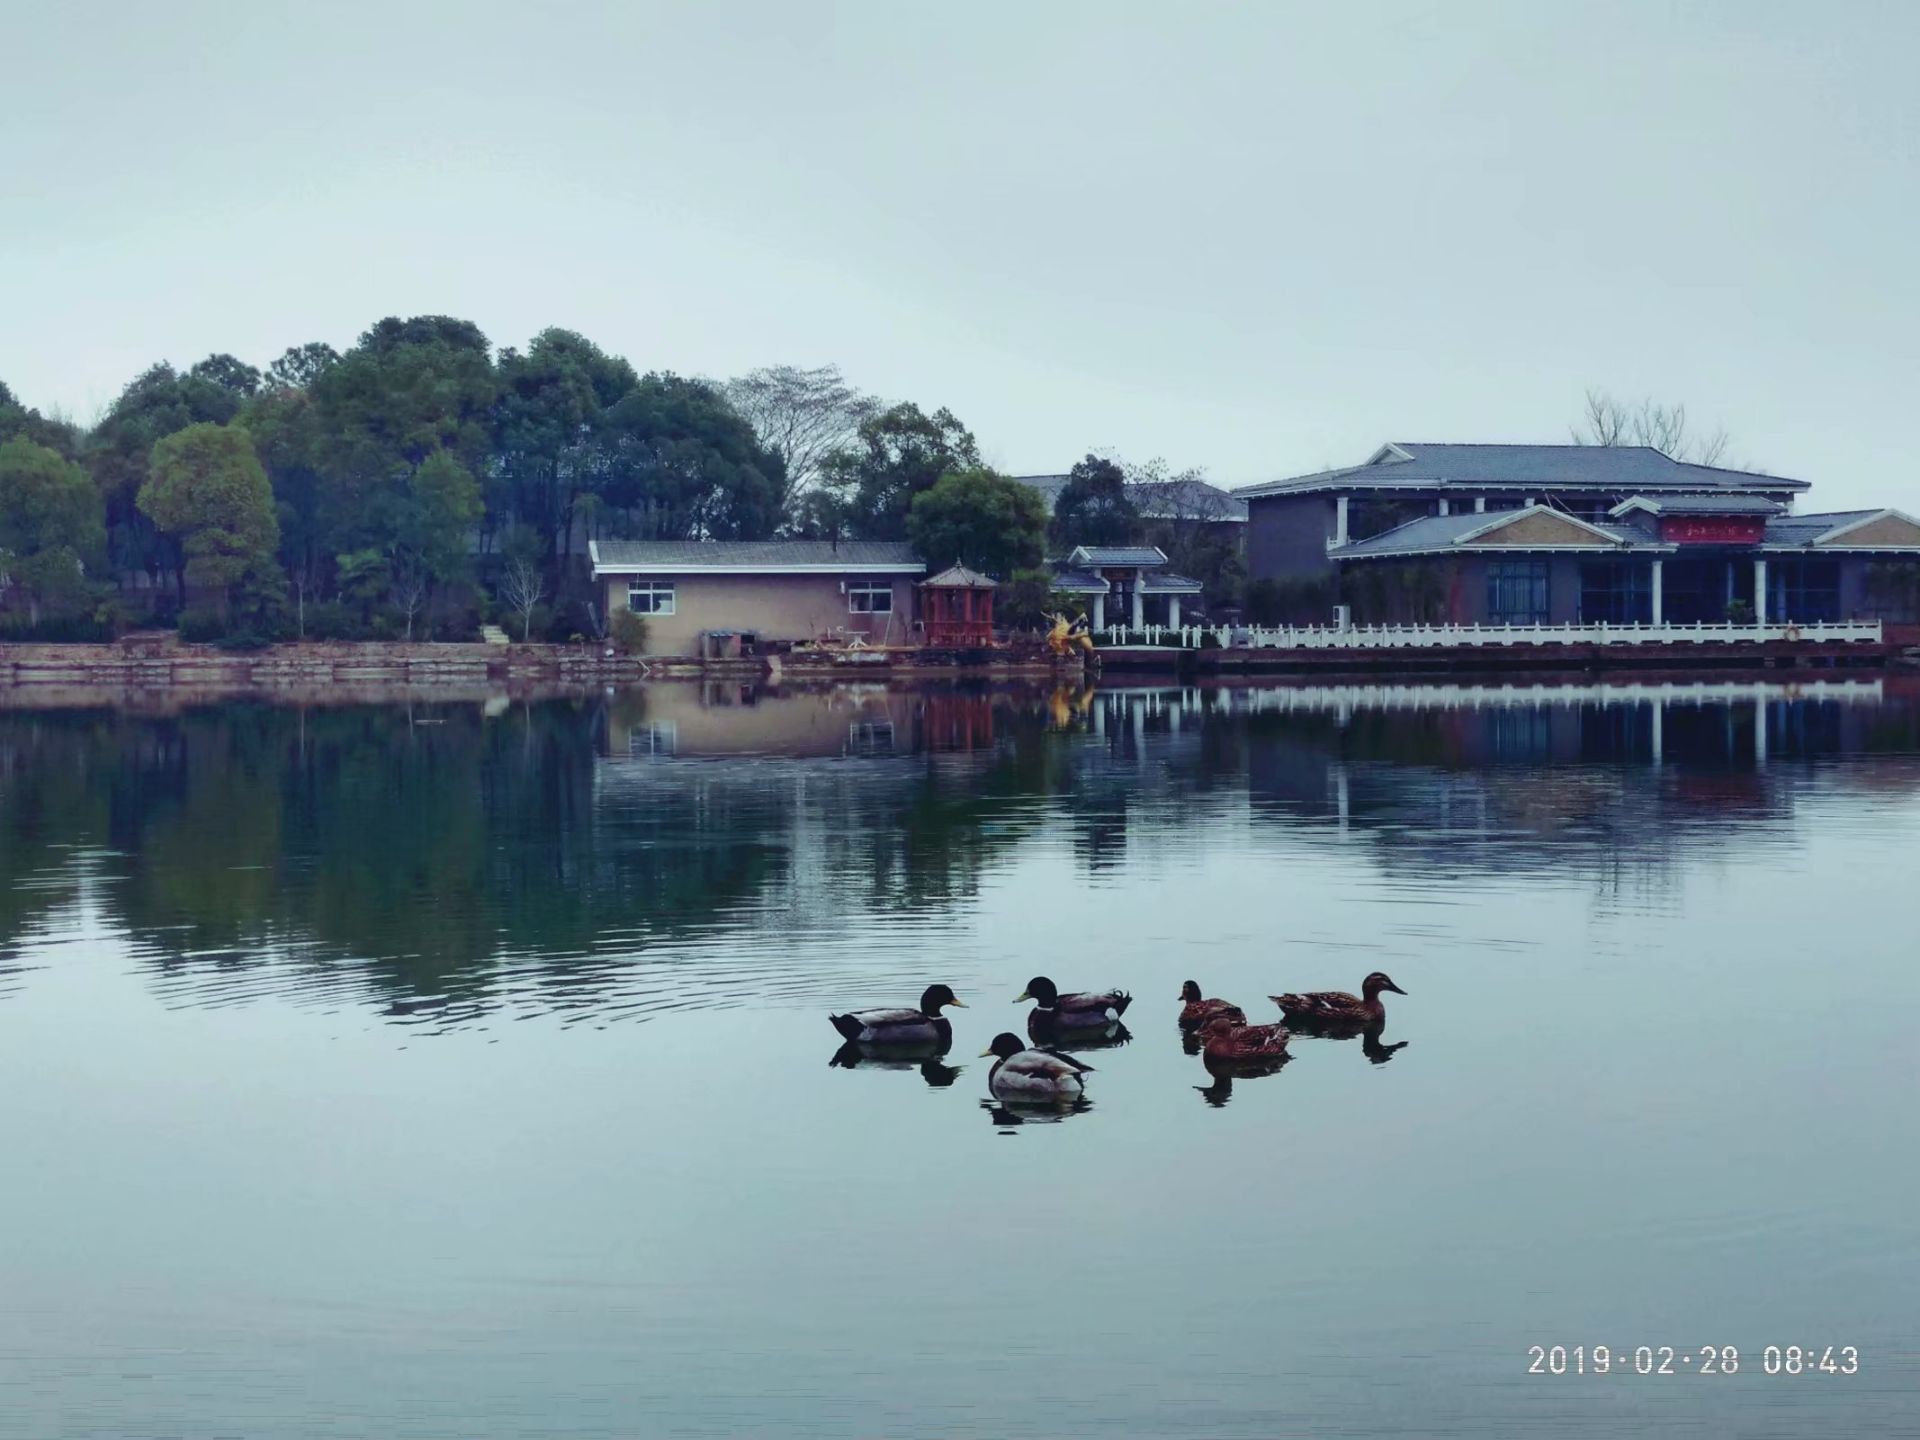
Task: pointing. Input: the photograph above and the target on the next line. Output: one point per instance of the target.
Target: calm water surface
(462, 1070)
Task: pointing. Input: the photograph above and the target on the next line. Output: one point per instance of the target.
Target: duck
(1225, 1040)
(924, 1026)
(1023, 1073)
(1335, 1009)
(1198, 1012)
(1081, 1010)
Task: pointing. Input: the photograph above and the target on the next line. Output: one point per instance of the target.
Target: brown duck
(1227, 1039)
(1335, 1009)
(1198, 1012)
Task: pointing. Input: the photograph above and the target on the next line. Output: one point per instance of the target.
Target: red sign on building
(1713, 529)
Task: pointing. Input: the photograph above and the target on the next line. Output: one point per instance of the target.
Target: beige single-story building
(695, 593)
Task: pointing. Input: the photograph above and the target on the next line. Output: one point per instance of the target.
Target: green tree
(683, 465)
(17, 419)
(50, 527)
(1092, 508)
(300, 365)
(981, 518)
(896, 455)
(207, 493)
(551, 434)
(432, 532)
(155, 404)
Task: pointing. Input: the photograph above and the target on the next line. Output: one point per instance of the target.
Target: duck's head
(936, 996)
(1376, 982)
(1004, 1044)
(1220, 1025)
(1190, 992)
(1042, 991)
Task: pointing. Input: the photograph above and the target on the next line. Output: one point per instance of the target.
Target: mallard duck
(1082, 1010)
(1335, 1009)
(1225, 1039)
(1020, 1073)
(1197, 1012)
(1046, 1034)
(902, 1027)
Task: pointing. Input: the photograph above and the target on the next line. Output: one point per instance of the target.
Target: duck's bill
(985, 1053)
(1023, 995)
(958, 1001)
(1395, 988)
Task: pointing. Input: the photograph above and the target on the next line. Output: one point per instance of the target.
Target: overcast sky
(1257, 238)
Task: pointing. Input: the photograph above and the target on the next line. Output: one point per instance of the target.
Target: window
(650, 597)
(1517, 592)
(1801, 588)
(1616, 592)
(869, 597)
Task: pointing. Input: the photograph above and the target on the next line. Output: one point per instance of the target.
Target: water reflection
(852, 1055)
(606, 858)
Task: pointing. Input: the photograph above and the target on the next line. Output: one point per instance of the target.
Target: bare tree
(1663, 427)
(521, 586)
(410, 589)
(803, 416)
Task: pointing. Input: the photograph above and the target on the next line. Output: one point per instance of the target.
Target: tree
(1190, 521)
(806, 417)
(550, 430)
(50, 526)
(982, 519)
(156, 403)
(299, 366)
(1092, 508)
(1664, 427)
(897, 455)
(433, 531)
(53, 432)
(207, 493)
(521, 583)
(684, 466)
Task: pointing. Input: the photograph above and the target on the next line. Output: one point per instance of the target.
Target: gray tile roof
(959, 577)
(1805, 529)
(1511, 467)
(1118, 555)
(1708, 504)
(1165, 582)
(616, 555)
(1077, 582)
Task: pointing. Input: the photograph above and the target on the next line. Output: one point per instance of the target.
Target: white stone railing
(1415, 637)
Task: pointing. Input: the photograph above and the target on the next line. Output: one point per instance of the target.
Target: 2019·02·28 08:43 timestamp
(1690, 1360)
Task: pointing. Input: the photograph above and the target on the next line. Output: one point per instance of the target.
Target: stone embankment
(150, 662)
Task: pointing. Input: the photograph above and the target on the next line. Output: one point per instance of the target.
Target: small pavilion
(956, 607)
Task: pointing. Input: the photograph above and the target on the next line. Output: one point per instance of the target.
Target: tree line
(398, 488)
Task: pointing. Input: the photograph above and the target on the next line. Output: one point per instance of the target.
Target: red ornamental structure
(956, 607)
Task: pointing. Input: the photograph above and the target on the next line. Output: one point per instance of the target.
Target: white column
(1340, 520)
(1760, 594)
(1100, 611)
(1479, 504)
(1659, 610)
(1139, 604)
(1173, 611)
(1446, 506)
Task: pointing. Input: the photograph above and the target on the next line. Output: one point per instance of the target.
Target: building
(1124, 584)
(693, 592)
(1570, 534)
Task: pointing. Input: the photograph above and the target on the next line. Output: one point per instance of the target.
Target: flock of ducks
(1039, 1071)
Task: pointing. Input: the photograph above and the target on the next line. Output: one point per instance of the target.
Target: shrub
(201, 625)
(629, 632)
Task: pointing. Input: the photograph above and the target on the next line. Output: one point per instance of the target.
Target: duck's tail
(1121, 999)
(848, 1025)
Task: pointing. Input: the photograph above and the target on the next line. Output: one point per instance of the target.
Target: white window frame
(654, 592)
(869, 590)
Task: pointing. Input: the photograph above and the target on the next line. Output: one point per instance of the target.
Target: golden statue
(1067, 636)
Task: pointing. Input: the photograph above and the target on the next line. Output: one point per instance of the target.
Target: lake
(462, 1069)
